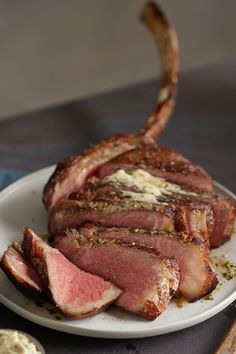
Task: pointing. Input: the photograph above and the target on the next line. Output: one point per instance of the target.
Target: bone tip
(149, 11)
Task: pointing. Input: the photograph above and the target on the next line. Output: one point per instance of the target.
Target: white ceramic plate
(21, 204)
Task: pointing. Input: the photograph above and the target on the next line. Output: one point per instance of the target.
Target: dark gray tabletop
(203, 128)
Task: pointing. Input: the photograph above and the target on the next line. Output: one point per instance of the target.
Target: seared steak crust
(160, 162)
(148, 281)
(72, 173)
(224, 212)
(73, 213)
(197, 278)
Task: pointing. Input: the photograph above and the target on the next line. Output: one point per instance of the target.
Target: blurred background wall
(53, 51)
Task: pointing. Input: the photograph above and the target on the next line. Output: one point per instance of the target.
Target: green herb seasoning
(208, 297)
(226, 268)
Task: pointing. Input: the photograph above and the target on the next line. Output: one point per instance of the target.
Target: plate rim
(109, 333)
(96, 333)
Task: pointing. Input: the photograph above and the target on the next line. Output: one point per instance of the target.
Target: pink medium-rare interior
(72, 286)
(133, 272)
(150, 220)
(189, 256)
(21, 268)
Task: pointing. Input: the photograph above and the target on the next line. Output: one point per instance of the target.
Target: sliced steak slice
(73, 213)
(160, 162)
(20, 272)
(76, 293)
(197, 279)
(148, 280)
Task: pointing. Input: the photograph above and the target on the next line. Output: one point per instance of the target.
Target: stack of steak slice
(130, 276)
(148, 280)
(197, 278)
(134, 207)
(173, 167)
(76, 293)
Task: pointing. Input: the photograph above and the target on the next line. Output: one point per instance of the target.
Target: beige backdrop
(58, 50)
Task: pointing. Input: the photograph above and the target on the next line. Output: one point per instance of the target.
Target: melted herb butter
(226, 268)
(149, 187)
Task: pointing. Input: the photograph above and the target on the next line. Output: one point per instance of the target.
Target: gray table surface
(203, 128)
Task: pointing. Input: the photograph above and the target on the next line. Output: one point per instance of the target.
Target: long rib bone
(72, 173)
(167, 42)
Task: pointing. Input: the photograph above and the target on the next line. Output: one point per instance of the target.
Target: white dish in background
(21, 204)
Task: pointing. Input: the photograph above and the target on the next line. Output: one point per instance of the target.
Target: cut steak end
(76, 293)
(71, 173)
(20, 272)
(148, 280)
(224, 212)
